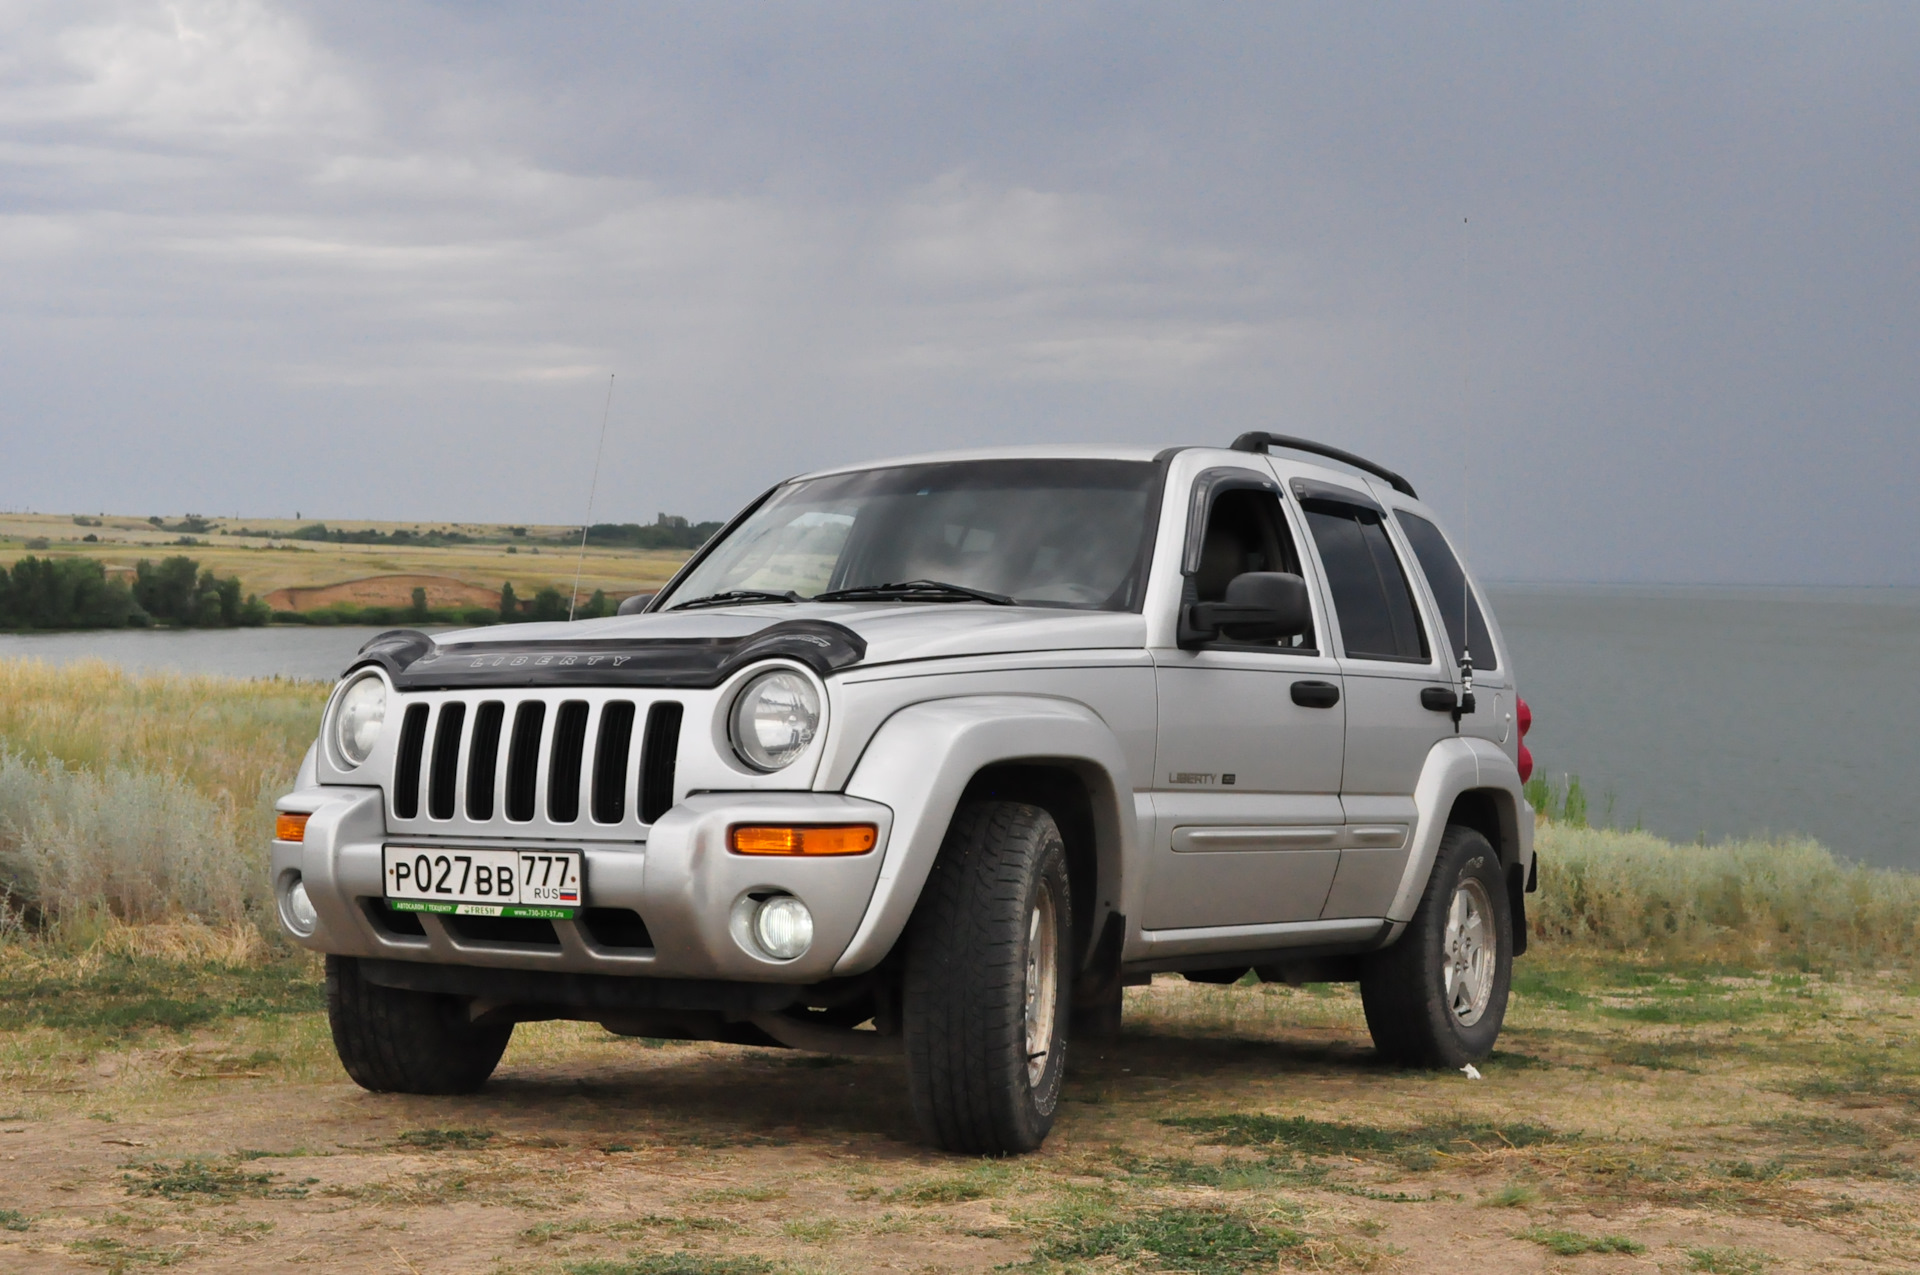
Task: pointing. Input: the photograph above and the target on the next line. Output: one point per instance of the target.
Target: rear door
(1248, 821)
(1388, 659)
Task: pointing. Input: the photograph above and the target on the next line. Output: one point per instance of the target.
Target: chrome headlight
(358, 717)
(775, 717)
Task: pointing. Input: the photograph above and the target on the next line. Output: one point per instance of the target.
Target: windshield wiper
(732, 596)
(915, 591)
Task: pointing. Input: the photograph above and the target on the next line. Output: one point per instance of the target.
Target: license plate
(468, 882)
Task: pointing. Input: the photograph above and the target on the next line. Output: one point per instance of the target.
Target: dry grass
(1773, 902)
(142, 798)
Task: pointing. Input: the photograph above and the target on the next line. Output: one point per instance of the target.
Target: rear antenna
(573, 599)
(1466, 704)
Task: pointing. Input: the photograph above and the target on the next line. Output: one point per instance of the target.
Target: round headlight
(358, 717)
(774, 719)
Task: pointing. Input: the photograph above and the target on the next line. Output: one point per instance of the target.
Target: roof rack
(1256, 441)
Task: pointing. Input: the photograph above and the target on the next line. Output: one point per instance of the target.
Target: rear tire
(1437, 997)
(988, 993)
(394, 1041)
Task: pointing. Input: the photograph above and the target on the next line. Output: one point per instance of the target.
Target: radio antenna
(593, 487)
(1466, 475)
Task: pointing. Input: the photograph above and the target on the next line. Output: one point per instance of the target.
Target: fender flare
(1456, 765)
(920, 762)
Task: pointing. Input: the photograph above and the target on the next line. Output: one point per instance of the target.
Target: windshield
(1066, 533)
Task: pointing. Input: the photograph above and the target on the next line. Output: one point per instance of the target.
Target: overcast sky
(377, 259)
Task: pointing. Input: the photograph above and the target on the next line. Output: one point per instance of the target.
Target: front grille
(446, 761)
(406, 779)
(528, 763)
(563, 769)
(523, 760)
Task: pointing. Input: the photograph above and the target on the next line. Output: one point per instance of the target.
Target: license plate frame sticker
(469, 881)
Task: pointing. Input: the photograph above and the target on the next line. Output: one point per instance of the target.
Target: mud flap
(1518, 883)
(1096, 991)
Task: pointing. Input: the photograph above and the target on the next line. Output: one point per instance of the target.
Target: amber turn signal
(289, 826)
(855, 838)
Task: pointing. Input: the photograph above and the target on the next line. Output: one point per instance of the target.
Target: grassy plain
(264, 563)
(1710, 1065)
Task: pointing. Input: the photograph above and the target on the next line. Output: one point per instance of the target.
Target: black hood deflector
(416, 663)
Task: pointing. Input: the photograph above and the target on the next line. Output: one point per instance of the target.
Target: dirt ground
(1634, 1120)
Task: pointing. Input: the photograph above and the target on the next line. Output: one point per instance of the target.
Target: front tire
(987, 991)
(1437, 997)
(395, 1041)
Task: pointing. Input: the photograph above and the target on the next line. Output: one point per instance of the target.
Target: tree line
(76, 593)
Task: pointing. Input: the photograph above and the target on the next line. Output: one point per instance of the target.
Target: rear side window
(1450, 592)
(1378, 620)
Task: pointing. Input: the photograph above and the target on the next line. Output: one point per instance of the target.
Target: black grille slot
(406, 771)
(482, 759)
(563, 770)
(503, 929)
(610, 762)
(658, 753)
(616, 927)
(523, 759)
(388, 921)
(446, 759)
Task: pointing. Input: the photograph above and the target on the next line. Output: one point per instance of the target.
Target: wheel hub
(1467, 973)
(1043, 983)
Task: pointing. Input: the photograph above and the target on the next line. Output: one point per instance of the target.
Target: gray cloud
(368, 260)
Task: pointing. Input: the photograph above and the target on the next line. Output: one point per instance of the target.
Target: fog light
(300, 916)
(783, 927)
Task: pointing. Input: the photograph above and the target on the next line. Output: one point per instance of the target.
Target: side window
(1378, 619)
(1450, 592)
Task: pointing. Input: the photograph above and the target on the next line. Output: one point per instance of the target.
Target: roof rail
(1257, 441)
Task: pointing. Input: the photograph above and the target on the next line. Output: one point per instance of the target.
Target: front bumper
(682, 881)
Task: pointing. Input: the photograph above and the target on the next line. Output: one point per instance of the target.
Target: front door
(1248, 820)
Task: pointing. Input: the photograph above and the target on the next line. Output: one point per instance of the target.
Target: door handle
(1316, 694)
(1438, 698)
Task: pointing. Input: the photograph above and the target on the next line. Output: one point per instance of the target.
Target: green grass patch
(975, 1184)
(1727, 1261)
(118, 1255)
(1201, 1240)
(1573, 1243)
(14, 1220)
(195, 1179)
(674, 1264)
(121, 996)
(1414, 1148)
(445, 1139)
(1230, 1174)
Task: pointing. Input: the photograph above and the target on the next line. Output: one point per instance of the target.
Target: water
(1717, 711)
(1730, 712)
(303, 652)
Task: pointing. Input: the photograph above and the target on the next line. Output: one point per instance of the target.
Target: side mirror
(1260, 606)
(633, 605)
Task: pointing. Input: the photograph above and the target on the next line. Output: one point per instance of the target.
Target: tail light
(1525, 717)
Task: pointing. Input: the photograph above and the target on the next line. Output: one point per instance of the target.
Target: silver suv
(933, 757)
